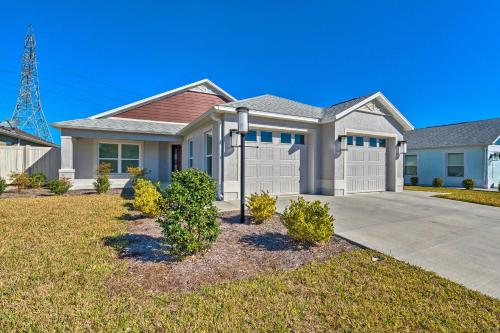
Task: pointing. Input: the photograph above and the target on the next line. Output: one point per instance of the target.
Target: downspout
(220, 173)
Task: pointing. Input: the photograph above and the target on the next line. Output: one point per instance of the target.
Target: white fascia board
(91, 128)
(265, 114)
(349, 131)
(161, 95)
(278, 128)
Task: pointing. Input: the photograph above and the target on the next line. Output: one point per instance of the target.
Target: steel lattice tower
(28, 114)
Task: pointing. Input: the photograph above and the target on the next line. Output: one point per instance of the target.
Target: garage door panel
(266, 186)
(365, 169)
(265, 154)
(265, 170)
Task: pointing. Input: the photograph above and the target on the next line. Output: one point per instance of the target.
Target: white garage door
(366, 165)
(275, 167)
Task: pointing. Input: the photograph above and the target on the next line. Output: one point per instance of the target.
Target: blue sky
(438, 62)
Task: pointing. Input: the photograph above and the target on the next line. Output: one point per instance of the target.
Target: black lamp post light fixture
(403, 147)
(242, 130)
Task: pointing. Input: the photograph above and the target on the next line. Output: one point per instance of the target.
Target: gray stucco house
(455, 152)
(352, 146)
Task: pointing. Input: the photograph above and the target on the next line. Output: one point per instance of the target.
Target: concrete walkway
(457, 240)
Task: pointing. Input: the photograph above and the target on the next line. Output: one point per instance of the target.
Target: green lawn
(489, 198)
(56, 274)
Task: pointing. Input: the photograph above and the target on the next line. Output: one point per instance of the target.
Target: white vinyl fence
(30, 159)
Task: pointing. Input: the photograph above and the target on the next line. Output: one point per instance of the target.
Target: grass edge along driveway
(489, 198)
(57, 274)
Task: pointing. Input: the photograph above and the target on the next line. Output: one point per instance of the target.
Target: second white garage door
(275, 167)
(366, 165)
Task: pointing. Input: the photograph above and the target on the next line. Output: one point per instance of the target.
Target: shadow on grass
(273, 241)
(140, 247)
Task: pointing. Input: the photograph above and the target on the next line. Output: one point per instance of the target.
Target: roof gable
(204, 86)
(481, 132)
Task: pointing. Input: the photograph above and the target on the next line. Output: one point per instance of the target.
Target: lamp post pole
(242, 180)
(242, 129)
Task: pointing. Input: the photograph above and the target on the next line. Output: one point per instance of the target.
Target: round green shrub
(437, 182)
(308, 222)
(468, 184)
(3, 185)
(189, 216)
(37, 180)
(414, 181)
(147, 198)
(261, 206)
(59, 186)
(101, 184)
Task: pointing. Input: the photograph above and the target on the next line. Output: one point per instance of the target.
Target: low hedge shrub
(437, 182)
(189, 216)
(3, 185)
(261, 206)
(147, 198)
(59, 186)
(20, 180)
(101, 184)
(414, 181)
(37, 180)
(468, 184)
(308, 222)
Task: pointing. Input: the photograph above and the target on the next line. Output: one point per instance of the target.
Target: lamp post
(242, 129)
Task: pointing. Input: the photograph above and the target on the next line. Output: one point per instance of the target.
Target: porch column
(67, 170)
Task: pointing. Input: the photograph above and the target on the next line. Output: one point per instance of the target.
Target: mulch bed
(241, 251)
(11, 192)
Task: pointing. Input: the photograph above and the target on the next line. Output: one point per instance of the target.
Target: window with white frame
(456, 164)
(208, 153)
(190, 153)
(120, 156)
(410, 165)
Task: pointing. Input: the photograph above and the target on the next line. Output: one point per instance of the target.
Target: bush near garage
(414, 181)
(59, 186)
(468, 184)
(147, 198)
(308, 222)
(37, 180)
(261, 206)
(189, 215)
(437, 182)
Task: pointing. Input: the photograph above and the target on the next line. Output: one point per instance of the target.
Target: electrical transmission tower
(28, 114)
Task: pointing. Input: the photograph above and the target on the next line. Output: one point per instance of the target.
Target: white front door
(366, 165)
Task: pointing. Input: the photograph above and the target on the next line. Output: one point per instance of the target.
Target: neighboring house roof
(279, 105)
(203, 86)
(481, 132)
(122, 125)
(20, 134)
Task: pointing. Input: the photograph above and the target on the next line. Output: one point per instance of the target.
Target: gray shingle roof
(122, 125)
(482, 132)
(330, 112)
(279, 105)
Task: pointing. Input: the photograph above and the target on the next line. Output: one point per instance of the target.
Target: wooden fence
(30, 159)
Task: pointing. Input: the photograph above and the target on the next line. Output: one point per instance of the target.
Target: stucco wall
(432, 163)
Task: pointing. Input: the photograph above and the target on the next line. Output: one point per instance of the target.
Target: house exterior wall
(432, 163)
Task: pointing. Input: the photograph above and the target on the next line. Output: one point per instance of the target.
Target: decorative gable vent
(204, 88)
(370, 107)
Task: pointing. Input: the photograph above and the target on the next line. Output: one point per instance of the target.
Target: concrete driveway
(457, 240)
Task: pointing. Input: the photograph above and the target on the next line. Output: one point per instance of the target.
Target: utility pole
(28, 114)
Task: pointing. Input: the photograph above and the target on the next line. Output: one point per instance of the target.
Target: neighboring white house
(455, 152)
(349, 147)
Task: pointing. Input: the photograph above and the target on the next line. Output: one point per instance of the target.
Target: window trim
(416, 166)
(190, 153)
(448, 164)
(207, 154)
(119, 159)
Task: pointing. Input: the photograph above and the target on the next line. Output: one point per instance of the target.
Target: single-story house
(348, 147)
(12, 136)
(455, 152)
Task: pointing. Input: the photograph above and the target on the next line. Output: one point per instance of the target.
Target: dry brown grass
(489, 198)
(57, 274)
